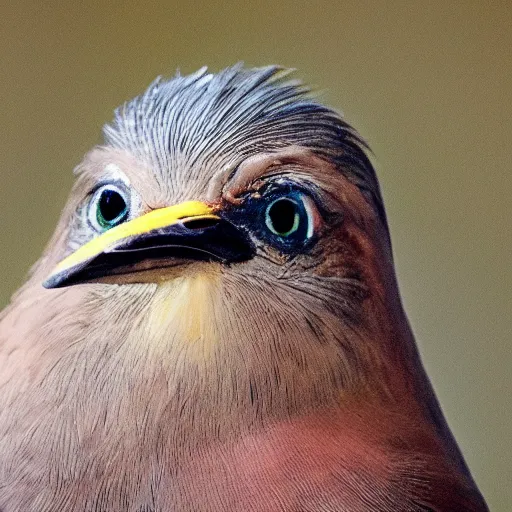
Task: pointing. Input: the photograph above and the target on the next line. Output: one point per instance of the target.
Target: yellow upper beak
(152, 221)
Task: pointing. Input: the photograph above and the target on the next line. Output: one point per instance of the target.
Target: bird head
(223, 264)
(232, 218)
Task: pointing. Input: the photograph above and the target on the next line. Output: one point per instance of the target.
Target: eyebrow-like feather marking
(113, 172)
(295, 165)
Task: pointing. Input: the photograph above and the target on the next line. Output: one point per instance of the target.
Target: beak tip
(55, 280)
(50, 283)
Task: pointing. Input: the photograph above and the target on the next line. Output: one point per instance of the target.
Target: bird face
(233, 227)
(286, 217)
(240, 168)
(264, 258)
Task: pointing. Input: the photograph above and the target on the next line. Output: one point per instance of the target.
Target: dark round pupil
(111, 205)
(282, 215)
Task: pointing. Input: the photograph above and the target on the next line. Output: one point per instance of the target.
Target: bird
(216, 323)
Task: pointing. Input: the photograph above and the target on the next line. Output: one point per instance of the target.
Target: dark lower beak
(202, 238)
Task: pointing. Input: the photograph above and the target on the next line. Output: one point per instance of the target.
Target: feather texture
(289, 382)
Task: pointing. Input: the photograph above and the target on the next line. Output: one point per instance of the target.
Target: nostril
(200, 223)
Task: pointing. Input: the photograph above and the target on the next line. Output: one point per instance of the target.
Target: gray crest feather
(213, 119)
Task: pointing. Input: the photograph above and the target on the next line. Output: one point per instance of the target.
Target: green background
(429, 84)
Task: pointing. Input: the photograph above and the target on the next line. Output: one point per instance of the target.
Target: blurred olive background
(429, 84)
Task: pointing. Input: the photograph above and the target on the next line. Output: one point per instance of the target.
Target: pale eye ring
(109, 207)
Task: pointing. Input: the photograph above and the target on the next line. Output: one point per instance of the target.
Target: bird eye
(290, 218)
(282, 217)
(109, 207)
